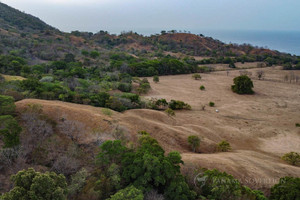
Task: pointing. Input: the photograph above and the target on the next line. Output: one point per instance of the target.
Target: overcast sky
(149, 16)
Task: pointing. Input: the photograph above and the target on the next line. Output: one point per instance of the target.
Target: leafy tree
(10, 131)
(32, 185)
(224, 146)
(202, 87)
(211, 104)
(77, 182)
(242, 85)
(288, 188)
(156, 79)
(292, 158)
(129, 192)
(194, 142)
(7, 105)
(213, 184)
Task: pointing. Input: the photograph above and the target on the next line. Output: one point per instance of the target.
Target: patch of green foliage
(147, 168)
(10, 131)
(29, 184)
(211, 104)
(224, 146)
(242, 85)
(194, 142)
(288, 188)
(202, 87)
(292, 158)
(179, 105)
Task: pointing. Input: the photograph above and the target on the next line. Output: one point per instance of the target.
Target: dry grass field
(260, 127)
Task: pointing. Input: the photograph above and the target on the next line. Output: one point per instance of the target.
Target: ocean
(283, 41)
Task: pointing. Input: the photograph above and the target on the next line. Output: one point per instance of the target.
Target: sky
(151, 16)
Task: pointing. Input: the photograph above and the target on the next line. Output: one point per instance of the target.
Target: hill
(27, 36)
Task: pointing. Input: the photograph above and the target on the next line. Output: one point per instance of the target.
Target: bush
(10, 131)
(194, 142)
(211, 104)
(292, 158)
(47, 79)
(170, 112)
(106, 111)
(242, 85)
(202, 87)
(7, 105)
(125, 87)
(156, 79)
(297, 125)
(179, 105)
(130, 192)
(224, 146)
(288, 188)
(29, 184)
(217, 185)
(196, 76)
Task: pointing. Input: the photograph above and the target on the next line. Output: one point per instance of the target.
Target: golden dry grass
(260, 127)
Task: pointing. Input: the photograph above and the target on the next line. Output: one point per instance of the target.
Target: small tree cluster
(196, 76)
(29, 184)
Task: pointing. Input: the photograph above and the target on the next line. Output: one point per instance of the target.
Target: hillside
(259, 128)
(27, 36)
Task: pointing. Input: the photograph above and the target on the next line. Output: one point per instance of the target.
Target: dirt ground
(260, 127)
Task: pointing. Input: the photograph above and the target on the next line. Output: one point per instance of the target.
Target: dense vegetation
(102, 70)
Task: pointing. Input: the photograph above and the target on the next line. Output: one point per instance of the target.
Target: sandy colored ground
(260, 127)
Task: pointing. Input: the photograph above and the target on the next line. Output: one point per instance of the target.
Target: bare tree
(260, 74)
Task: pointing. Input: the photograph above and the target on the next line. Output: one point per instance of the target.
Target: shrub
(297, 125)
(202, 87)
(10, 131)
(94, 54)
(106, 111)
(194, 142)
(125, 87)
(130, 192)
(217, 185)
(292, 158)
(196, 76)
(170, 112)
(224, 146)
(29, 184)
(211, 104)
(7, 105)
(144, 86)
(288, 188)
(242, 85)
(178, 105)
(156, 79)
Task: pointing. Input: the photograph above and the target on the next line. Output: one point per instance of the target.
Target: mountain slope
(11, 17)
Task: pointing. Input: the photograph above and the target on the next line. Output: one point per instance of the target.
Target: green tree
(288, 188)
(292, 158)
(32, 185)
(194, 142)
(10, 131)
(156, 79)
(129, 192)
(170, 112)
(7, 105)
(242, 85)
(224, 146)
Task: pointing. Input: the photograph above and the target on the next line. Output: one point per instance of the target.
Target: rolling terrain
(260, 127)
